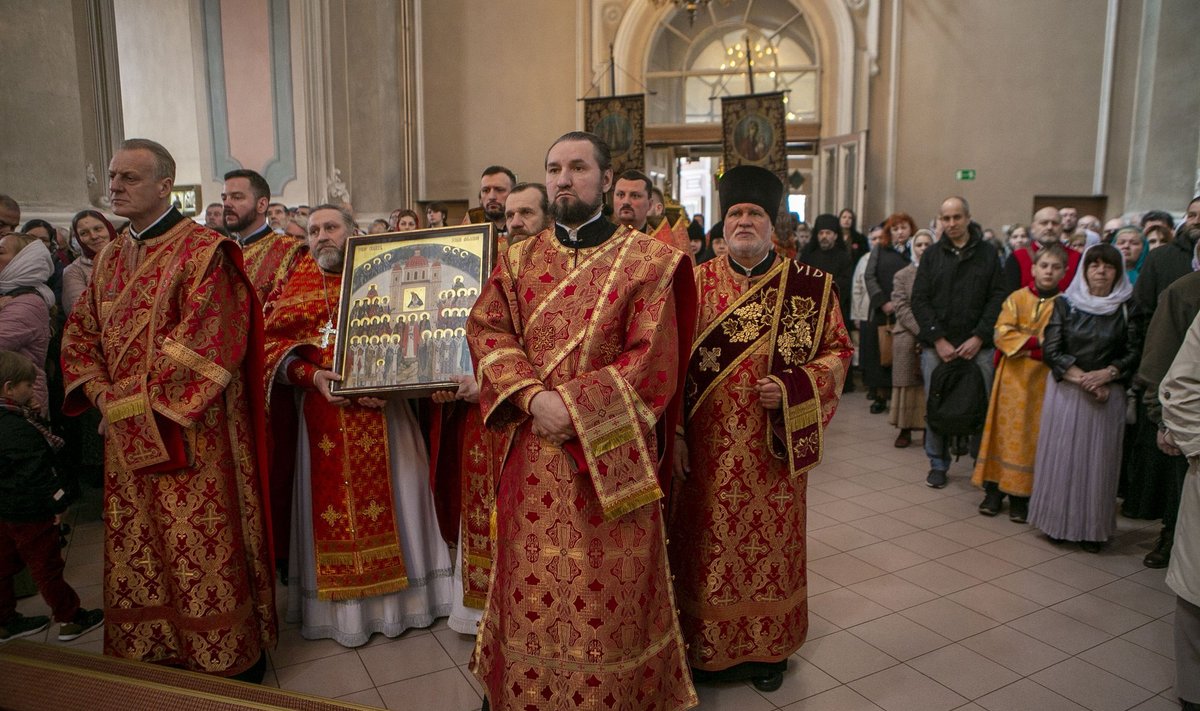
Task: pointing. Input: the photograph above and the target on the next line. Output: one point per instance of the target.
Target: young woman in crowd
(1006, 456)
(887, 258)
(92, 232)
(908, 390)
(1092, 350)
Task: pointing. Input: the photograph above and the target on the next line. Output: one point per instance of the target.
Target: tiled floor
(917, 602)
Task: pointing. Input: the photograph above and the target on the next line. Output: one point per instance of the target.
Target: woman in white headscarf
(25, 302)
(1092, 351)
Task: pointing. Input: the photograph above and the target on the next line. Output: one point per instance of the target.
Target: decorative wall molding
(99, 72)
(281, 168)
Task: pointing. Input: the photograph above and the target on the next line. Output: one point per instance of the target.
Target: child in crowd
(1007, 453)
(30, 503)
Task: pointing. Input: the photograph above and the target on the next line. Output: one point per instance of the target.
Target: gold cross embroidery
(211, 518)
(742, 390)
(561, 552)
(116, 513)
(184, 570)
(755, 548)
(708, 359)
(781, 497)
(326, 444)
(367, 442)
(145, 563)
(372, 512)
(735, 495)
(331, 515)
(476, 454)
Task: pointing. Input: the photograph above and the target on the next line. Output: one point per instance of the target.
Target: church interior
(916, 602)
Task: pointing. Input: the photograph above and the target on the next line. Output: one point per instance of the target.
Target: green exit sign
(966, 174)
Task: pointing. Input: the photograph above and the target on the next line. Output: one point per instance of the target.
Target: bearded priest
(365, 553)
(766, 371)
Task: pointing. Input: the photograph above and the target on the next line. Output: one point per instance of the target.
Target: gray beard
(330, 260)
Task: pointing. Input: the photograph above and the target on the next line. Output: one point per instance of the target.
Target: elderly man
(1046, 228)
(764, 380)
(526, 211)
(277, 214)
(166, 343)
(578, 338)
(364, 534)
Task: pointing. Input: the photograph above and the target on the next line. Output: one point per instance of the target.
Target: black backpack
(958, 401)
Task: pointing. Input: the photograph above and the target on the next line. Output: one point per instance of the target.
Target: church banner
(405, 301)
(754, 133)
(620, 122)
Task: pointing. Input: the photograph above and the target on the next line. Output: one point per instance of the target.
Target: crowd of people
(188, 369)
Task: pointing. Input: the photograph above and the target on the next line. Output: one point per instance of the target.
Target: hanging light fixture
(691, 6)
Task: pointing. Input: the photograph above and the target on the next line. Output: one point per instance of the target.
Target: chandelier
(690, 5)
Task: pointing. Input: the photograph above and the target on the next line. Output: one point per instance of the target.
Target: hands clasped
(551, 420)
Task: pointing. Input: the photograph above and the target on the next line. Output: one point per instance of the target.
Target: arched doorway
(686, 64)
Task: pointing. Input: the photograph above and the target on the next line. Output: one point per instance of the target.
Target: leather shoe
(771, 682)
(903, 439)
(993, 498)
(878, 406)
(937, 479)
(1161, 555)
(1018, 509)
(1091, 546)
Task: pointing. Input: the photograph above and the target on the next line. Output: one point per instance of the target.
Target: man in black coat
(956, 298)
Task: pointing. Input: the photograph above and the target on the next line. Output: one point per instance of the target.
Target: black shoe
(1091, 546)
(21, 626)
(486, 706)
(1018, 509)
(1161, 555)
(1188, 706)
(878, 406)
(992, 499)
(771, 682)
(937, 479)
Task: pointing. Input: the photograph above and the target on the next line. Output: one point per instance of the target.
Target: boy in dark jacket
(30, 502)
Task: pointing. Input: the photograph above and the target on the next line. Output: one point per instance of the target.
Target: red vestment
(581, 611)
(354, 523)
(738, 523)
(270, 259)
(168, 336)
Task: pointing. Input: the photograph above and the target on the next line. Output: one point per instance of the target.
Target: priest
(577, 338)
(766, 371)
(166, 343)
(365, 554)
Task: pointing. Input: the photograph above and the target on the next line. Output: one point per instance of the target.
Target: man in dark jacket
(956, 298)
(1163, 472)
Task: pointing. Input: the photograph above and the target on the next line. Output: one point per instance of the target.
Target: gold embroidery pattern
(125, 408)
(331, 516)
(749, 320)
(372, 512)
(709, 359)
(796, 336)
(326, 444)
(189, 358)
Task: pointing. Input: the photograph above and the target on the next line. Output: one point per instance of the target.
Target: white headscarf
(1079, 296)
(32, 267)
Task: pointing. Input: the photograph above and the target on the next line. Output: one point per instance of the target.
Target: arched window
(693, 62)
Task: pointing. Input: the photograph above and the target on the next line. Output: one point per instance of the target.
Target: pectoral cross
(327, 331)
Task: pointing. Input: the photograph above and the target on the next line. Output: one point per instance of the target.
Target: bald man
(1046, 228)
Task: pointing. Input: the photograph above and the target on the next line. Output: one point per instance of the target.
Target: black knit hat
(751, 184)
(827, 222)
